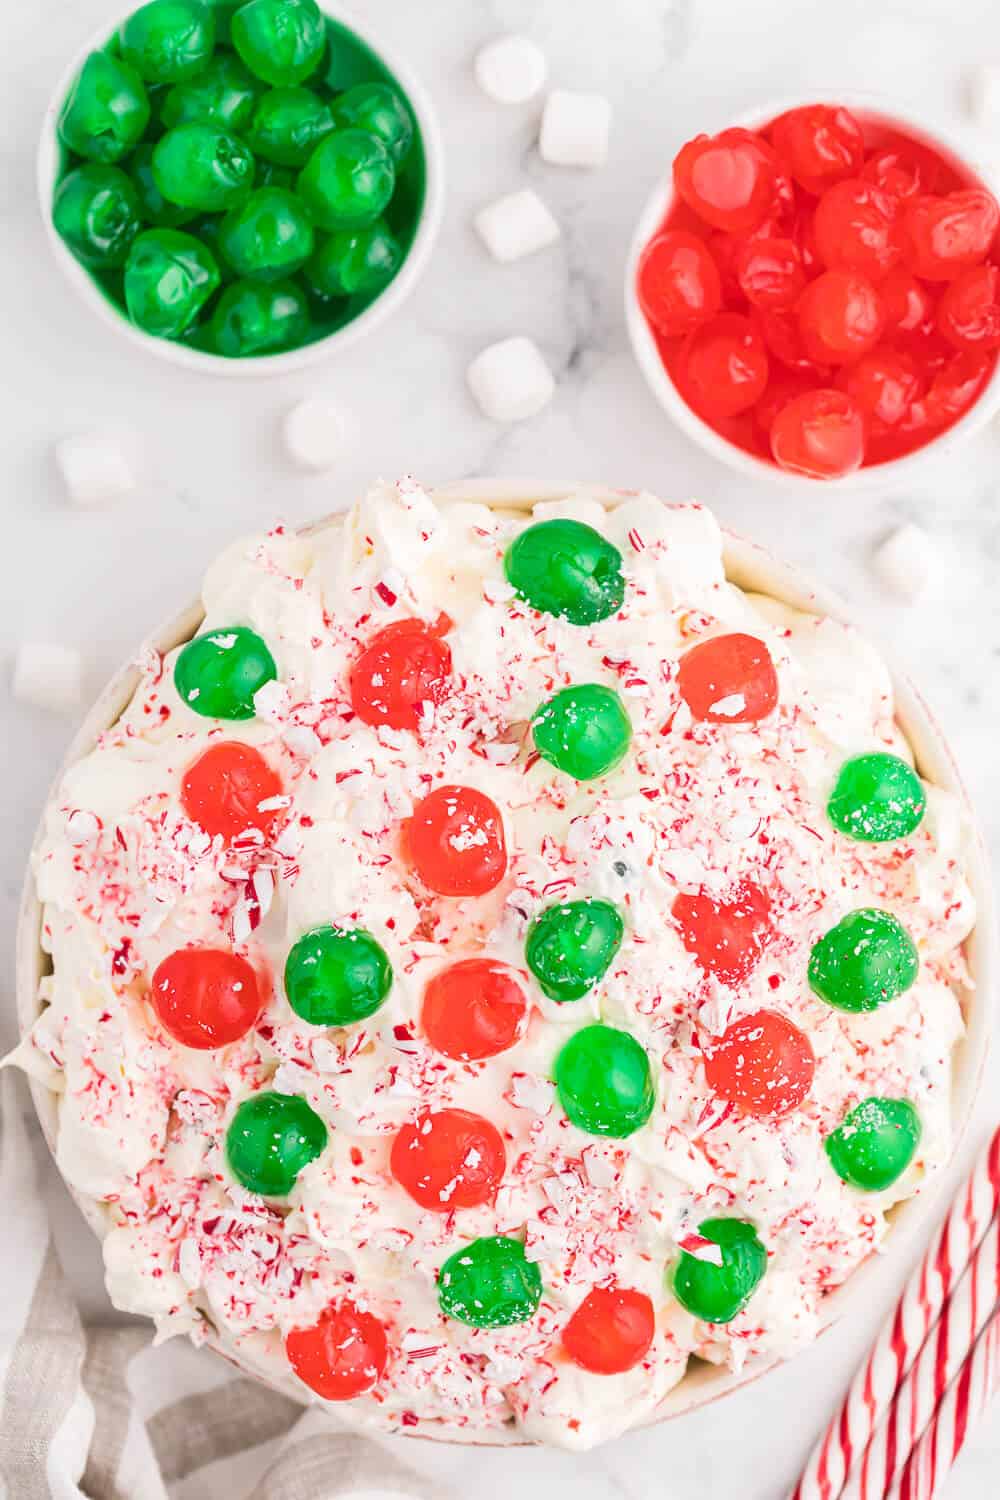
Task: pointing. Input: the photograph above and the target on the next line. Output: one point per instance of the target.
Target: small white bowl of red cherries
(814, 293)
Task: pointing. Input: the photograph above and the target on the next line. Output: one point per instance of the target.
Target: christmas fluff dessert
(495, 961)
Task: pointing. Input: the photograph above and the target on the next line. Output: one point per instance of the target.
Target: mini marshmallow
(575, 129)
(516, 225)
(905, 562)
(94, 469)
(983, 93)
(510, 380)
(48, 676)
(511, 70)
(314, 434)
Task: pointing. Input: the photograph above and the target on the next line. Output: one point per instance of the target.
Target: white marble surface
(211, 466)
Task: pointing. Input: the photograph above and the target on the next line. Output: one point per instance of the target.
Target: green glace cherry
(874, 1144)
(105, 111)
(335, 976)
(604, 1081)
(168, 40)
(281, 41)
(567, 569)
(490, 1283)
(96, 210)
(270, 1139)
(169, 276)
(716, 1293)
(202, 167)
(288, 125)
(268, 236)
(153, 207)
(868, 959)
(570, 947)
(379, 109)
(223, 93)
(354, 262)
(876, 798)
(218, 673)
(254, 318)
(348, 180)
(584, 730)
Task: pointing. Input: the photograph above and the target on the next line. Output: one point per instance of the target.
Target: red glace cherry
(726, 937)
(611, 1330)
(903, 171)
(840, 317)
(729, 180)
(729, 679)
(769, 271)
(679, 284)
(403, 667)
(205, 997)
(762, 1062)
(782, 387)
(455, 842)
(723, 366)
(883, 385)
(855, 229)
(955, 387)
(223, 791)
(344, 1355)
(449, 1158)
(820, 434)
(907, 303)
(942, 237)
(968, 314)
(819, 144)
(473, 1009)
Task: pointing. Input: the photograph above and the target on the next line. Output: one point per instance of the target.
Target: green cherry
(354, 262)
(96, 211)
(379, 109)
(218, 673)
(251, 318)
(874, 1144)
(224, 11)
(490, 1283)
(168, 40)
(271, 1138)
(567, 569)
(876, 797)
(571, 946)
(348, 180)
(584, 730)
(153, 207)
(169, 276)
(713, 1293)
(106, 110)
(267, 236)
(868, 959)
(604, 1081)
(281, 41)
(288, 125)
(223, 94)
(336, 976)
(202, 167)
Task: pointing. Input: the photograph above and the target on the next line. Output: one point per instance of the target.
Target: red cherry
(611, 1330)
(723, 366)
(956, 387)
(804, 234)
(968, 315)
(449, 1158)
(223, 790)
(854, 225)
(729, 679)
(726, 937)
(782, 386)
(883, 385)
(762, 1063)
(780, 332)
(724, 248)
(205, 997)
(942, 237)
(903, 172)
(679, 285)
(840, 317)
(770, 272)
(403, 667)
(473, 1009)
(343, 1356)
(821, 434)
(907, 302)
(728, 179)
(455, 842)
(820, 144)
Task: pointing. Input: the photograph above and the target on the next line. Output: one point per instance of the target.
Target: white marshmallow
(983, 93)
(510, 380)
(94, 469)
(905, 561)
(511, 70)
(48, 676)
(516, 225)
(314, 434)
(575, 129)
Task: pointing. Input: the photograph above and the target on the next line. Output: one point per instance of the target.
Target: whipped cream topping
(126, 878)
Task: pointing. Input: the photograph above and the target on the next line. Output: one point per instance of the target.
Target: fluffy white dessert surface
(126, 878)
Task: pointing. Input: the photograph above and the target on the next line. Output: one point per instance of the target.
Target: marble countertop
(211, 466)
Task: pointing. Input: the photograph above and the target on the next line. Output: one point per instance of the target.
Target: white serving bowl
(948, 141)
(757, 571)
(402, 284)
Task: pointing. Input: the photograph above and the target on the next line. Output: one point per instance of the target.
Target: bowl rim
(257, 365)
(751, 567)
(947, 137)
